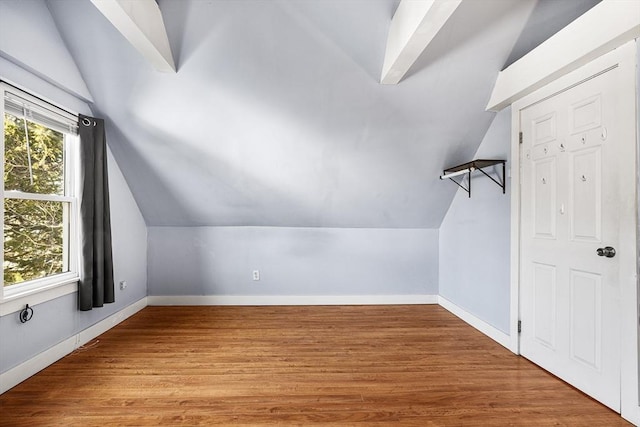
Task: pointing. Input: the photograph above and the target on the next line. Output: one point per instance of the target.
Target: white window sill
(15, 302)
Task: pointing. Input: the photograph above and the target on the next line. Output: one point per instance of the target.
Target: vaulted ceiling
(276, 116)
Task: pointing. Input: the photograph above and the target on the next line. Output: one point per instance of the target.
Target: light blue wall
(292, 261)
(59, 319)
(474, 238)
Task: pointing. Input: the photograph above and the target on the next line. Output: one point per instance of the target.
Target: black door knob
(608, 252)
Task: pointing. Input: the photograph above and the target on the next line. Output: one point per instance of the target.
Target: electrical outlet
(123, 285)
(256, 274)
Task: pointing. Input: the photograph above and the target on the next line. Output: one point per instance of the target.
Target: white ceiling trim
(414, 25)
(140, 22)
(601, 29)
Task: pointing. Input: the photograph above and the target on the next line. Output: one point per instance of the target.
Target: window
(40, 206)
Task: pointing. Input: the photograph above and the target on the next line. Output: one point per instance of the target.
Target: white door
(570, 208)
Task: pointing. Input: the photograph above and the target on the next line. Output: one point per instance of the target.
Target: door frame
(625, 59)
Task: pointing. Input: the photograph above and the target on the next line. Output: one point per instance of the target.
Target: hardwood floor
(347, 365)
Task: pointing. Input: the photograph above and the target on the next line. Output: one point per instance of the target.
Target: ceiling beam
(140, 22)
(601, 29)
(414, 25)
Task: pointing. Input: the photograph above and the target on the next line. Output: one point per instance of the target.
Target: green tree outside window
(33, 229)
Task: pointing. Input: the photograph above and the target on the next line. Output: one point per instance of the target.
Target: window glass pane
(45, 148)
(34, 239)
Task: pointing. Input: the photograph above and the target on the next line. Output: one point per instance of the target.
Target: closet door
(571, 218)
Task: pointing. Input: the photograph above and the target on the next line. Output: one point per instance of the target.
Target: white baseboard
(632, 415)
(15, 376)
(104, 325)
(490, 331)
(257, 300)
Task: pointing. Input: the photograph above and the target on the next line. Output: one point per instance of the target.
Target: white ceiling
(276, 116)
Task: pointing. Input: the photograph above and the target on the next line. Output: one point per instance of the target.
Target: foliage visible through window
(35, 230)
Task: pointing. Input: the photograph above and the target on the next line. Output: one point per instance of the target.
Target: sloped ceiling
(41, 51)
(276, 117)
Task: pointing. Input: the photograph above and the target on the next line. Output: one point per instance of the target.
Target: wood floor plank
(341, 365)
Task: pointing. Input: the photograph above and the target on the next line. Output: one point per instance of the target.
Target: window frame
(48, 287)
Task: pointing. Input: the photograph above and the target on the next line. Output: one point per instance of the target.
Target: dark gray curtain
(96, 284)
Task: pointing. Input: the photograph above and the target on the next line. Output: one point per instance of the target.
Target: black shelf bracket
(475, 165)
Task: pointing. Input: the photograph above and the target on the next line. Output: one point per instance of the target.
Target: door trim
(625, 59)
(607, 25)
